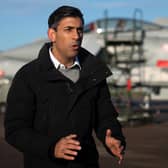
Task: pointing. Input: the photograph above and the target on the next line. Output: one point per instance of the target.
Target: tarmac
(146, 147)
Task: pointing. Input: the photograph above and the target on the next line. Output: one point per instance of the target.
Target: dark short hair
(62, 12)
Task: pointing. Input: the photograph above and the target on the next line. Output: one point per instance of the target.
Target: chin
(74, 54)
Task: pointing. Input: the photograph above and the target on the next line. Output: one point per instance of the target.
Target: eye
(68, 29)
(80, 30)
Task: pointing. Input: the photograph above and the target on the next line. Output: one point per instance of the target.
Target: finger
(72, 141)
(66, 157)
(73, 147)
(119, 149)
(108, 133)
(122, 149)
(120, 156)
(71, 136)
(120, 160)
(115, 151)
(70, 152)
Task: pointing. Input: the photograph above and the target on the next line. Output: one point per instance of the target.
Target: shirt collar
(57, 64)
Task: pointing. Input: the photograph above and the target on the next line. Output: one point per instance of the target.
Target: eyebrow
(72, 27)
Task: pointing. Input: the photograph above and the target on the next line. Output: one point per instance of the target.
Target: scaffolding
(123, 49)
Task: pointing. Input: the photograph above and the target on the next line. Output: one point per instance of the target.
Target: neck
(62, 59)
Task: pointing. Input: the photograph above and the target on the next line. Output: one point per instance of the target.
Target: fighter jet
(135, 50)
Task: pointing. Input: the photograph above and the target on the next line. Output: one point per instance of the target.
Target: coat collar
(44, 58)
(92, 69)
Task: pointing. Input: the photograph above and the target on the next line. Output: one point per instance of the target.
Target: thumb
(108, 133)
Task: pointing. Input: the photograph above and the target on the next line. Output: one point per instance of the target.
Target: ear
(51, 35)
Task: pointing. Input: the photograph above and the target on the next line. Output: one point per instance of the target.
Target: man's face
(68, 37)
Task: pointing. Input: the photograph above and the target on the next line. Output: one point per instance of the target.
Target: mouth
(76, 46)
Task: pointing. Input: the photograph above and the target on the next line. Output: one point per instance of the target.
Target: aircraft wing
(92, 42)
(26, 52)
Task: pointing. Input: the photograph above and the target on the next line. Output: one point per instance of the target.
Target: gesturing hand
(67, 147)
(114, 145)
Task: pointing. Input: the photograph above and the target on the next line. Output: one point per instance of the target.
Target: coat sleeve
(19, 121)
(106, 117)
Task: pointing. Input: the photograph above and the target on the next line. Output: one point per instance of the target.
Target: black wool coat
(44, 106)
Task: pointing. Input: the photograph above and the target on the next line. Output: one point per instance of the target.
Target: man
(58, 99)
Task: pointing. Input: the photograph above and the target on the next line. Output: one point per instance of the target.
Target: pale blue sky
(23, 21)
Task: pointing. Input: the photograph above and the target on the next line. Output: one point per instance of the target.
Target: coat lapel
(85, 83)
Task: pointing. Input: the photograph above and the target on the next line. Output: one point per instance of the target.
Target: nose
(76, 34)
